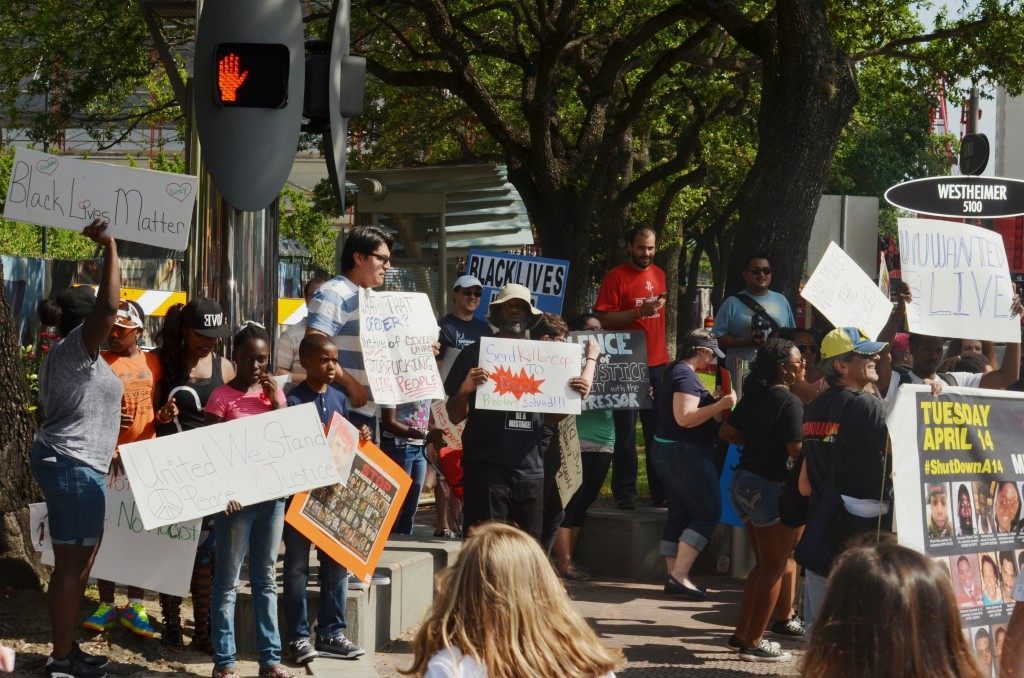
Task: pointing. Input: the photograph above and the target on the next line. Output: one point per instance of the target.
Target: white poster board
(196, 473)
(959, 281)
(146, 206)
(156, 560)
(845, 294)
(529, 376)
(452, 432)
(569, 476)
(397, 331)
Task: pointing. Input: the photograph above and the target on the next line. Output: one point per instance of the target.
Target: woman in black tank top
(191, 370)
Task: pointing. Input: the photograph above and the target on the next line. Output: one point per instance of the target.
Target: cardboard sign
(959, 281)
(397, 331)
(958, 477)
(569, 476)
(529, 376)
(621, 380)
(196, 473)
(452, 432)
(351, 523)
(156, 560)
(545, 278)
(141, 205)
(846, 295)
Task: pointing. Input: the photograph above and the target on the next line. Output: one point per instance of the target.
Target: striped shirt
(229, 403)
(334, 310)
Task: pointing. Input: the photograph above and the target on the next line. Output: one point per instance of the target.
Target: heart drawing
(85, 205)
(47, 165)
(179, 191)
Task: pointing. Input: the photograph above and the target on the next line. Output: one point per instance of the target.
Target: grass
(642, 488)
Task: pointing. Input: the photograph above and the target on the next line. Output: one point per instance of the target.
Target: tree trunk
(18, 563)
(669, 259)
(809, 89)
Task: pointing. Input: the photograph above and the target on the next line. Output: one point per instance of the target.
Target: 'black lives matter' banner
(958, 471)
(621, 381)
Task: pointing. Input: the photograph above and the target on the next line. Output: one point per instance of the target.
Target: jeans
(76, 501)
(755, 498)
(624, 462)
(255, 529)
(691, 494)
(413, 460)
(814, 595)
(330, 618)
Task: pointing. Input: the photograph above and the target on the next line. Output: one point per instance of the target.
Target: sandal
(225, 672)
(275, 671)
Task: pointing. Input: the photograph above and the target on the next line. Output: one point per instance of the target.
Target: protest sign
(959, 281)
(545, 278)
(957, 476)
(569, 476)
(196, 473)
(156, 560)
(343, 441)
(452, 432)
(845, 294)
(351, 523)
(529, 376)
(397, 331)
(145, 206)
(621, 380)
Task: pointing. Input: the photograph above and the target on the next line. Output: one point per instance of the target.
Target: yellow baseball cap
(843, 340)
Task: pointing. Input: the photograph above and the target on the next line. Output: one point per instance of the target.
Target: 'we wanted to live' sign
(140, 205)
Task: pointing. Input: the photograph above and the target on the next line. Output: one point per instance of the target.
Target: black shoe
(626, 504)
(735, 643)
(72, 667)
(677, 588)
(339, 646)
(792, 628)
(97, 660)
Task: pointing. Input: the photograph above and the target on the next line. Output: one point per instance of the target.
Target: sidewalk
(660, 636)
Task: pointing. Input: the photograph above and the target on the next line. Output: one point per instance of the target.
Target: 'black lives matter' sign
(621, 381)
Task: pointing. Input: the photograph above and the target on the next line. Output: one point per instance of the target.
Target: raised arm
(96, 326)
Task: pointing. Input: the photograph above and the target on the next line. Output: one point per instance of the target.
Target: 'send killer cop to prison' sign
(545, 278)
(140, 205)
(960, 196)
(196, 473)
(621, 380)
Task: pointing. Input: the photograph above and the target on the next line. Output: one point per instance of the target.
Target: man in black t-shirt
(844, 435)
(503, 470)
(459, 328)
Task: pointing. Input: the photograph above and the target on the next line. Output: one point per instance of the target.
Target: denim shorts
(75, 496)
(755, 498)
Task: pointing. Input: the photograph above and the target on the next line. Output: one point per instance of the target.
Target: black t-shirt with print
(458, 333)
(768, 421)
(503, 438)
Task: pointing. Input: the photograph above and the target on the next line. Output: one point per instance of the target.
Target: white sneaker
(766, 651)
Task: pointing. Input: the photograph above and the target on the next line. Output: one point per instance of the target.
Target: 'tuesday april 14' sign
(141, 205)
(545, 278)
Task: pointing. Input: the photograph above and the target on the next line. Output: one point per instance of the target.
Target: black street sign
(960, 197)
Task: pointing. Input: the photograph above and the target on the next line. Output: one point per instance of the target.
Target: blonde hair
(502, 604)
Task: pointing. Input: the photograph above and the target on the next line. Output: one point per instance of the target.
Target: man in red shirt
(632, 297)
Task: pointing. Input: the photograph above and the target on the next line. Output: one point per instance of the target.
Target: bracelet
(594, 359)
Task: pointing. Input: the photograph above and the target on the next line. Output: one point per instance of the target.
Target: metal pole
(442, 252)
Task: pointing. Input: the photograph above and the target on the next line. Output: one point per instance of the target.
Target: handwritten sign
(452, 432)
(196, 473)
(621, 381)
(959, 281)
(397, 331)
(156, 560)
(545, 278)
(569, 476)
(845, 294)
(141, 205)
(351, 523)
(529, 376)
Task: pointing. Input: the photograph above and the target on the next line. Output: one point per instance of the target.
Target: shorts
(76, 499)
(755, 498)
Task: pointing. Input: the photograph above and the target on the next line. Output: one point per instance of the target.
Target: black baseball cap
(205, 316)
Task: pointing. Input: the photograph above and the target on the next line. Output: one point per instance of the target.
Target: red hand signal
(229, 79)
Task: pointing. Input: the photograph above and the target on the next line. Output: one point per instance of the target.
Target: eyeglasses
(380, 257)
(757, 271)
(471, 292)
(807, 348)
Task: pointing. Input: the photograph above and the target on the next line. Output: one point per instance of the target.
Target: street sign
(960, 197)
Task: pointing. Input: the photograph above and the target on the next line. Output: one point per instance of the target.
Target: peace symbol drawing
(164, 504)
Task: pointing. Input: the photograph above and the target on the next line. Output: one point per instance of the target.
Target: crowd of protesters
(812, 485)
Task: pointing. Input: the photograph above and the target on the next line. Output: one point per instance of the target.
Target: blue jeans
(691, 494)
(255, 529)
(413, 461)
(814, 595)
(755, 498)
(76, 501)
(330, 618)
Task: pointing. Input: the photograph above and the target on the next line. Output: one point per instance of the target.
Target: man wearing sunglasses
(745, 320)
(459, 328)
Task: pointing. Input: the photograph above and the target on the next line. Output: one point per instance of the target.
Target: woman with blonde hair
(501, 612)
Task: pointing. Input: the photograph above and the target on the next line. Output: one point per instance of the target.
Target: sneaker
(765, 651)
(72, 667)
(339, 646)
(103, 619)
(793, 628)
(302, 651)
(356, 584)
(97, 660)
(379, 579)
(135, 618)
(735, 643)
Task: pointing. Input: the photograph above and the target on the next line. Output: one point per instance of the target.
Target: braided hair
(170, 341)
(764, 371)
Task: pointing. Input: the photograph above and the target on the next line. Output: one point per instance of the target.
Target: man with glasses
(459, 328)
(745, 319)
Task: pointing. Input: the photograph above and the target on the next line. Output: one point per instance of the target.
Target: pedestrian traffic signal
(251, 75)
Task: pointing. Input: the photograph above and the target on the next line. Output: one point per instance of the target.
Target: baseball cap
(205, 316)
(467, 281)
(76, 302)
(128, 315)
(513, 291)
(708, 343)
(843, 340)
